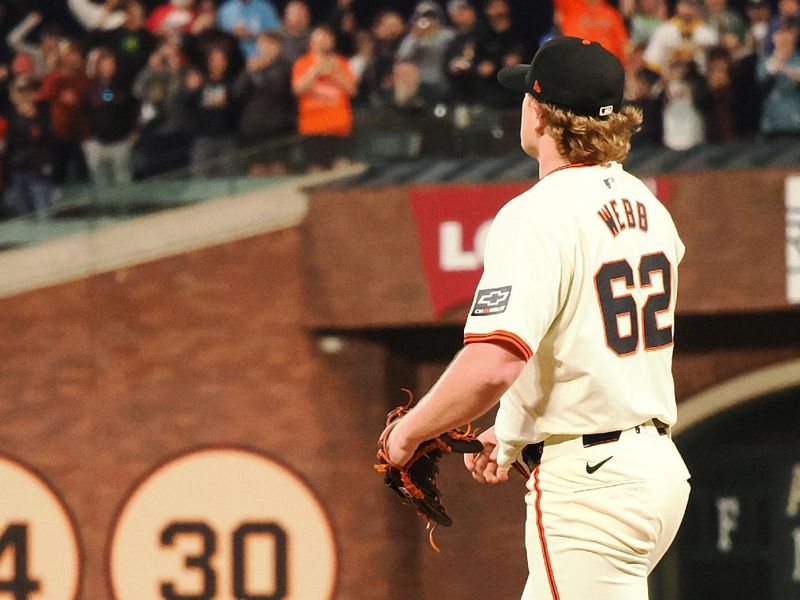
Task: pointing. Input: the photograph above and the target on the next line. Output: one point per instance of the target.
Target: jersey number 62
(614, 307)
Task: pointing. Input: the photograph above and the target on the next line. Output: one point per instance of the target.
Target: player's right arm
(527, 270)
(472, 384)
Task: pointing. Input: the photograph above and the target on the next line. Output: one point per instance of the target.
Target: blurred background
(231, 231)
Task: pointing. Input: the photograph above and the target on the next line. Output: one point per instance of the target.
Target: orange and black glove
(415, 481)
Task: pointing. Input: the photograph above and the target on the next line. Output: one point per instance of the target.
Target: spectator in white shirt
(685, 30)
(685, 97)
(106, 16)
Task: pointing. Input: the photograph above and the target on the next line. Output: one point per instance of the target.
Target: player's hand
(483, 465)
(399, 447)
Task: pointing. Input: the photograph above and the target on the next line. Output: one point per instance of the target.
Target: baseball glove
(415, 482)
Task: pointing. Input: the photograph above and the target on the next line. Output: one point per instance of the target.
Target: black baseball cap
(572, 73)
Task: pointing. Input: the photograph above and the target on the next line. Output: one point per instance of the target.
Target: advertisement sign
(452, 223)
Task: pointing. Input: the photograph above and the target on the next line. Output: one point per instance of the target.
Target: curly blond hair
(588, 139)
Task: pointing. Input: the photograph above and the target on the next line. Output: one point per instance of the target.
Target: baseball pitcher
(571, 331)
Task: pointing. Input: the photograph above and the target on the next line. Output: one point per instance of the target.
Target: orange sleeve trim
(501, 336)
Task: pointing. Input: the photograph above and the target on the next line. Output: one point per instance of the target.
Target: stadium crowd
(141, 91)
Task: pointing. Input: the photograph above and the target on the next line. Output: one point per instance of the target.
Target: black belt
(532, 453)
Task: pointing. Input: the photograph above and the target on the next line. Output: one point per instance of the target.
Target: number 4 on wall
(613, 307)
(15, 540)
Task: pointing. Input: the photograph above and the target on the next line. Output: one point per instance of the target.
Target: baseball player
(571, 330)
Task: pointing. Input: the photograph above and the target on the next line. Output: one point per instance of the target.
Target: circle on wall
(219, 523)
(40, 555)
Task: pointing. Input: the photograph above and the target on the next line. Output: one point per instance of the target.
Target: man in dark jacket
(132, 43)
(164, 138)
(498, 47)
(113, 113)
(214, 104)
(30, 152)
(460, 55)
(269, 108)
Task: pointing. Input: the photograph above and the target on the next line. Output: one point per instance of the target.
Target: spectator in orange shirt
(594, 20)
(324, 83)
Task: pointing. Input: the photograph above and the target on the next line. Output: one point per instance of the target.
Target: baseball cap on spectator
(428, 9)
(456, 4)
(571, 73)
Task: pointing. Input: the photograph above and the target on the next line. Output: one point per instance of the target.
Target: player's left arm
(473, 383)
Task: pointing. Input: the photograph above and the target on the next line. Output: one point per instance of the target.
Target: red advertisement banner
(452, 222)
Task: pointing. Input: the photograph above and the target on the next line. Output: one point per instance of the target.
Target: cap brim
(514, 78)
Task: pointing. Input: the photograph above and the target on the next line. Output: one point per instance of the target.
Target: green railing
(80, 207)
(382, 138)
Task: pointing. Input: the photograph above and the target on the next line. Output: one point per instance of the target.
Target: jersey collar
(570, 166)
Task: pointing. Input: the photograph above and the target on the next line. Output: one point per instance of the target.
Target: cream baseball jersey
(580, 277)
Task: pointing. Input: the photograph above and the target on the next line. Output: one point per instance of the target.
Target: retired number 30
(201, 562)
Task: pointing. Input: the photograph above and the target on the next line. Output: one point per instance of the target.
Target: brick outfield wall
(104, 378)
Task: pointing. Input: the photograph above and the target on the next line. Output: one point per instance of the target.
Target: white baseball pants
(596, 532)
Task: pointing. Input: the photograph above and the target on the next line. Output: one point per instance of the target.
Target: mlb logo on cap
(606, 110)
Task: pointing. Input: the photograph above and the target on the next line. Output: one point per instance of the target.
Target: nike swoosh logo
(592, 468)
